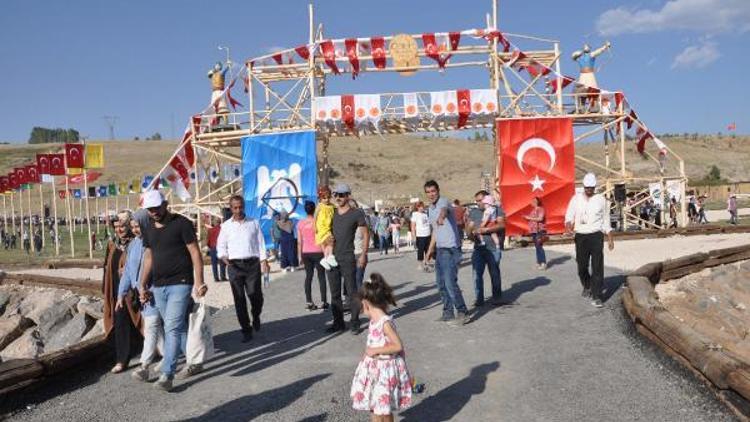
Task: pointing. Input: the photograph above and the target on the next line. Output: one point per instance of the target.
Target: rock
(11, 328)
(28, 346)
(52, 318)
(91, 307)
(745, 266)
(12, 298)
(4, 300)
(69, 334)
(96, 330)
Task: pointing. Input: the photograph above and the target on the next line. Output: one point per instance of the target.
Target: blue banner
(279, 172)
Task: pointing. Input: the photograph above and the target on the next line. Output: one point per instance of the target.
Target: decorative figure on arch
(218, 98)
(586, 60)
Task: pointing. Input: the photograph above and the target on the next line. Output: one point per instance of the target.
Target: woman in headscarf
(124, 321)
(287, 242)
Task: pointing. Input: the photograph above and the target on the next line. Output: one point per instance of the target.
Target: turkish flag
(57, 164)
(32, 174)
(61, 194)
(378, 52)
(13, 180)
(74, 154)
(537, 159)
(20, 175)
(347, 111)
(4, 184)
(42, 163)
(463, 96)
(351, 52)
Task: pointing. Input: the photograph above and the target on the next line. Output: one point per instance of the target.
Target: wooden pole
(98, 213)
(88, 214)
(13, 211)
(20, 210)
(127, 200)
(117, 201)
(31, 225)
(41, 213)
(54, 216)
(69, 212)
(5, 214)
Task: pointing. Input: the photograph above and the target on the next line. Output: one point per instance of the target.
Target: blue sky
(682, 63)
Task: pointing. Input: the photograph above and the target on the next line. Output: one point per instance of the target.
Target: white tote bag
(200, 340)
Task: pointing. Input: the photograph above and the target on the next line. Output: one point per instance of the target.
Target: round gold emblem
(403, 49)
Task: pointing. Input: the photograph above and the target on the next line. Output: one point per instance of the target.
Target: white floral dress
(382, 384)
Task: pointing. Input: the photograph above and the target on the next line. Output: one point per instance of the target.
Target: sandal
(117, 368)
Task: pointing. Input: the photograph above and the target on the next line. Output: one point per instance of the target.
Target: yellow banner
(137, 185)
(123, 188)
(74, 171)
(94, 156)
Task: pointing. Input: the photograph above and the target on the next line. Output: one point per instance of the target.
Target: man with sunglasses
(173, 259)
(588, 216)
(346, 222)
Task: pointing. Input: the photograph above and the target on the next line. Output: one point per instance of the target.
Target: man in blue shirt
(445, 246)
(486, 254)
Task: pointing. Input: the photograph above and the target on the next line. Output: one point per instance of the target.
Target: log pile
(724, 369)
(659, 234)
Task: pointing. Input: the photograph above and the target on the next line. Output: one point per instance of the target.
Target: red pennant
(631, 118)
(455, 39)
(432, 51)
(500, 38)
(329, 55)
(42, 163)
(642, 141)
(303, 52)
(378, 52)
(278, 59)
(57, 164)
(619, 96)
(535, 69)
(517, 56)
(351, 52)
(566, 80)
(232, 101)
(74, 155)
(347, 110)
(32, 174)
(463, 96)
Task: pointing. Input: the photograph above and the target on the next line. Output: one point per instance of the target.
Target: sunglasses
(340, 195)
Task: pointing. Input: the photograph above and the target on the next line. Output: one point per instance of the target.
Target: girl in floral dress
(381, 383)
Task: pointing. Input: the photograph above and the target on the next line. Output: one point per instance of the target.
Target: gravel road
(549, 355)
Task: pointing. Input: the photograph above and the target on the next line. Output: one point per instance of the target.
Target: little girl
(489, 217)
(381, 383)
(323, 225)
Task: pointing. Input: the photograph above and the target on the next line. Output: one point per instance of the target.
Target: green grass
(19, 258)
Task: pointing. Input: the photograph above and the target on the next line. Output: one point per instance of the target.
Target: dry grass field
(397, 166)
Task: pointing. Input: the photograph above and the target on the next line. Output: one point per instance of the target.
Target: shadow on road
(611, 284)
(446, 403)
(558, 261)
(521, 287)
(277, 341)
(252, 406)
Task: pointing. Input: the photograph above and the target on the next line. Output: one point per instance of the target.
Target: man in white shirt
(242, 248)
(588, 216)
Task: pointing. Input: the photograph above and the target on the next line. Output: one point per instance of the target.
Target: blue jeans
(541, 258)
(172, 302)
(483, 258)
(384, 240)
(218, 267)
(446, 278)
(360, 277)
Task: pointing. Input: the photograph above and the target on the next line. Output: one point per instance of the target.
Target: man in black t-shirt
(173, 260)
(346, 222)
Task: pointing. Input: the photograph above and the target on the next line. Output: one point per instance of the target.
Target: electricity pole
(111, 121)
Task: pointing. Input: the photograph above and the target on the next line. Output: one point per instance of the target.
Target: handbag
(200, 339)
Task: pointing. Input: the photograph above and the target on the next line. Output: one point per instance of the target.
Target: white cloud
(705, 16)
(697, 56)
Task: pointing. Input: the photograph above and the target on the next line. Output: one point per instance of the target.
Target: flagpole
(13, 211)
(41, 213)
(88, 213)
(117, 199)
(31, 226)
(69, 211)
(20, 209)
(54, 215)
(5, 214)
(96, 205)
(127, 200)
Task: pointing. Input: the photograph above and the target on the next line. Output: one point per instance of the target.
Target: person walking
(358, 249)
(384, 233)
(732, 208)
(588, 216)
(395, 229)
(173, 259)
(538, 231)
(346, 221)
(287, 242)
(445, 245)
(310, 255)
(218, 267)
(242, 247)
(421, 230)
(486, 250)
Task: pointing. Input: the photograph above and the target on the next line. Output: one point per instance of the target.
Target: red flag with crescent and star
(74, 153)
(42, 163)
(57, 164)
(32, 174)
(537, 159)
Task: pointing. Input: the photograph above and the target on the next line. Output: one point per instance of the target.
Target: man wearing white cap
(588, 217)
(172, 258)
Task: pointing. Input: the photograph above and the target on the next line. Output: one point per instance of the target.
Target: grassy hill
(398, 165)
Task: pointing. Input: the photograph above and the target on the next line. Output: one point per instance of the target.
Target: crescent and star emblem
(536, 143)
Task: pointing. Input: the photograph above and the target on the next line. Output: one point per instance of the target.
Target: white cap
(589, 180)
(152, 198)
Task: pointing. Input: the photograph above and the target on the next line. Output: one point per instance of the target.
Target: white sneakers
(329, 262)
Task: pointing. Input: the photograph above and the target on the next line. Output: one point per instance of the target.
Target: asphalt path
(546, 355)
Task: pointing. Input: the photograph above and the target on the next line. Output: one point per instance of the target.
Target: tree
(156, 136)
(41, 135)
(714, 174)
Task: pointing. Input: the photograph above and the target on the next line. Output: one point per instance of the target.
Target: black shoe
(586, 292)
(256, 323)
(247, 336)
(478, 304)
(325, 306)
(311, 306)
(335, 329)
(354, 327)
